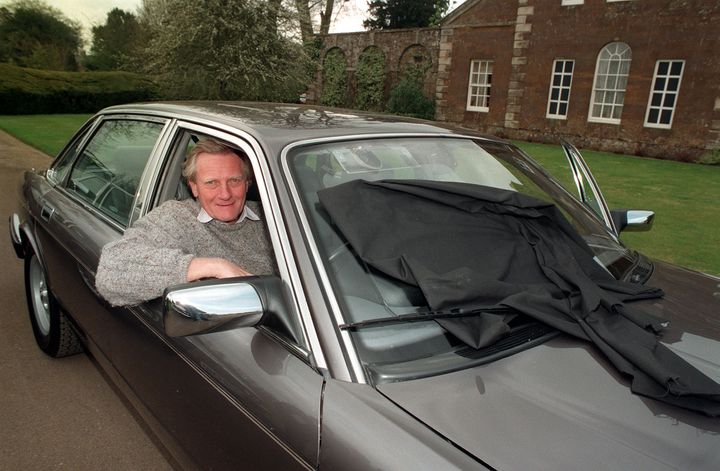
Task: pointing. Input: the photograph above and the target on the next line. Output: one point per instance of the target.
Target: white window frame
(562, 74)
(664, 93)
(480, 69)
(571, 2)
(615, 81)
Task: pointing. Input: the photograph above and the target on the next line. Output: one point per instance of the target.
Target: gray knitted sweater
(156, 251)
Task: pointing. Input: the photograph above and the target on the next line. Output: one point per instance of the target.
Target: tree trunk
(326, 17)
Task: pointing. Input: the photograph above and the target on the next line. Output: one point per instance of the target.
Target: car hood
(561, 405)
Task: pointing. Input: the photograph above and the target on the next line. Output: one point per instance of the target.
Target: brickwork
(524, 37)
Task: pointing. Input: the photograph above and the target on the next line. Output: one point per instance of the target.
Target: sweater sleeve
(141, 264)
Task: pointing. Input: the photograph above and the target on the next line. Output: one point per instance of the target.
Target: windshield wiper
(426, 316)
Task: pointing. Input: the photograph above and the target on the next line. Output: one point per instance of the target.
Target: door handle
(46, 212)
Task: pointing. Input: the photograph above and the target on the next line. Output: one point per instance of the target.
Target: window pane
(108, 171)
(653, 115)
(563, 109)
(666, 116)
(565, 94)
(569, 66)
(553, 107)
(663, 68)
(673, 84)
(566, 81)
(676, 68)
(669, 100)
(656, 99)
(660, 84)
(555, 94)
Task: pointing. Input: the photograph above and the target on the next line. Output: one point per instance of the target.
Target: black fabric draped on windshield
(469, 247)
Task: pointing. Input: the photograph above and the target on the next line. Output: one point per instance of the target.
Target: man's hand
(213, 268)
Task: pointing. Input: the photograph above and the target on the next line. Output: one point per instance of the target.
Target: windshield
(364, 293)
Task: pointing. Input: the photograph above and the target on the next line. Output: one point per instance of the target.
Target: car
(331, 363)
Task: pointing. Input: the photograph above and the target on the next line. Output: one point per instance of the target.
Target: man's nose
(225, 192)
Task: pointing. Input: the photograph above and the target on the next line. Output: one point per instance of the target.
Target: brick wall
(524, 37)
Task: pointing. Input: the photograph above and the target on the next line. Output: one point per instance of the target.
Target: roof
(279, 124)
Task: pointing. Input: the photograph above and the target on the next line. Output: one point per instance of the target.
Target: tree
(223, 49)
(116, 42)
(306, 9)
(397, 14)
(33, 34)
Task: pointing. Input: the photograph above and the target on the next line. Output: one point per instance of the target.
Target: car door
(243, 399)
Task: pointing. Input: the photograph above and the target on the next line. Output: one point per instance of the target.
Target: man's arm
(201, 267)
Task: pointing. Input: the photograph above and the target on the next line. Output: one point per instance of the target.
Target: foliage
(116, 42)
(710, 158)
(407, 99)
(335, 80)
(370, 80)
(397, 14)
(217, 49)
(33, 34)
(32, 91)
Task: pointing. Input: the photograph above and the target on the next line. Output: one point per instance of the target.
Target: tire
(53, 332)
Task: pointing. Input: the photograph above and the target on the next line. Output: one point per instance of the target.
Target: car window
(172, 185)
(59, 168)
(107, 172)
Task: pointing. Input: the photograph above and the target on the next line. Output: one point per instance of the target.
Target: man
(216, 235)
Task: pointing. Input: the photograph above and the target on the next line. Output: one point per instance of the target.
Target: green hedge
(32, 91)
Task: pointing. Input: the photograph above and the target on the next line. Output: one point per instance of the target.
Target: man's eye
(211, 184)
(235, 182)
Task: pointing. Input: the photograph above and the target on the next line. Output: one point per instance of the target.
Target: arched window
(611, 75)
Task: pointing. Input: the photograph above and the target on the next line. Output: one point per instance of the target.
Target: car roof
(279, 124)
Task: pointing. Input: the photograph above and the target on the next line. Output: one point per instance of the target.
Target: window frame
(664, 93)
(567, 3)
(560, 87)
(606, 75)
(487, 86)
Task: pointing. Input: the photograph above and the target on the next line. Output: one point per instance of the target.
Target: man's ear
(193, 188)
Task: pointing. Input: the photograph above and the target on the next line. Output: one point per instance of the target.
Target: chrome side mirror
(214, 306)
(632, 220)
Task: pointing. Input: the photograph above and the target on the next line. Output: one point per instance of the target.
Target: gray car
(330, 364)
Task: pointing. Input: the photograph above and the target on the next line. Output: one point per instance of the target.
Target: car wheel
(53, 332)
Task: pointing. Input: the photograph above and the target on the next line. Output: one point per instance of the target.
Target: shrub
(32, 91)
(710, 158)
(370, 79)
(335, 80)
(407, 99)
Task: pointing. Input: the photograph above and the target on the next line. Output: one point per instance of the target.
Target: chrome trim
(351, 351)
(274, 221)
(15, 236)
(578, 165)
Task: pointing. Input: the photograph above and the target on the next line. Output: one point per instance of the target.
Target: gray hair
(211, 146)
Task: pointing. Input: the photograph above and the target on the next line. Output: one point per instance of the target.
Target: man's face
(220, 185)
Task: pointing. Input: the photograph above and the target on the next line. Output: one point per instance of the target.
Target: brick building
(633, 76)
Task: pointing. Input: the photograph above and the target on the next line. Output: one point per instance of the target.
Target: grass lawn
(685, 197)
(47, 132)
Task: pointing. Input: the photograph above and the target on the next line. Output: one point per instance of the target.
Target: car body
(275, 378)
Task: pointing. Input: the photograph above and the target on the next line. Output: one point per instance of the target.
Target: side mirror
(632, 220)
(217, 305)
